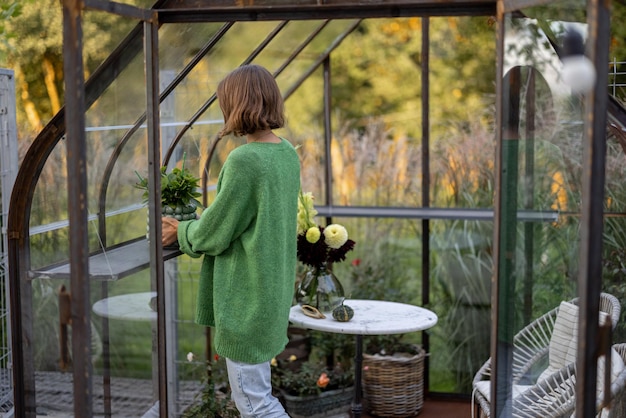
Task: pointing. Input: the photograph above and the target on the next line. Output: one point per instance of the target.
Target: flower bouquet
(318, 248)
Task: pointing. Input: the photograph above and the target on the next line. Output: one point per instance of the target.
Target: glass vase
(321, 289)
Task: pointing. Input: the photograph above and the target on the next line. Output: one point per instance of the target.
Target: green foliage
(328, 360)
(335, 348)
(31, 43)
(379, 278)
(8, 10)
(461, 273)
(311, 378)
(614, 268)
(178, 188)
(214, 400)
(384, 54)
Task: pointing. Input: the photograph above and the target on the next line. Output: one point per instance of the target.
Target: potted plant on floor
(321, 385)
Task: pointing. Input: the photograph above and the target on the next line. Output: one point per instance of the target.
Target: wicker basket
(394, 385)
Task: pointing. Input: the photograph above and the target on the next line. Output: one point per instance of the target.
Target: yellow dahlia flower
(335, 235)
(313, 234)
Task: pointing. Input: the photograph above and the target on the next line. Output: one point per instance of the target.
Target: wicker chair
(530, 353)
(618, 388)
(556, 395)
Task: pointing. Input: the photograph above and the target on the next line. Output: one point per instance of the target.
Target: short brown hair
(250, 101)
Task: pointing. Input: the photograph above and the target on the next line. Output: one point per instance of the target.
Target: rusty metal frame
(77, 187)
(157, 269)
(179, 11)
(593, 178)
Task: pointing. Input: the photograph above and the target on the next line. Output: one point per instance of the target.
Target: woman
(248, 239)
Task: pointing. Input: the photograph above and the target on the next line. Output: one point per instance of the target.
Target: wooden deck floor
(441, 409)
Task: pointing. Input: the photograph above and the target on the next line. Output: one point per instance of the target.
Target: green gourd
(343, 313)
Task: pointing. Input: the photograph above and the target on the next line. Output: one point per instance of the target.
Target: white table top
(131, 306)
(371, 317)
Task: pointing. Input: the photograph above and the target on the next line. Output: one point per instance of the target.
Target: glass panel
(116, 151)
(542, 133)
(121, 347)
(102, 33)
(386, 264)
(107, 120)
(188, 98)
(614, 243)
(461, 112)
(461, 271)
(306, 130)
(540, 171)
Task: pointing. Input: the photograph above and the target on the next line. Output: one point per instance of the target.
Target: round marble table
(131, 306)
(371, 317)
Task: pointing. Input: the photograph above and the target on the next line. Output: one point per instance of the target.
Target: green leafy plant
(376, 279)
(178, 190)
(461, 273)
(326, 365)
(214, 399)
(335, 348)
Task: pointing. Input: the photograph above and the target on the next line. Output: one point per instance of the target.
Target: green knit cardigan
(248, 239)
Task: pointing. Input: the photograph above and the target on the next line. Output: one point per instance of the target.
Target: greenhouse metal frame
(69, 125)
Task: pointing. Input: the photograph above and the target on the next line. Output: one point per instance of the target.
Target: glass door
(551, 140)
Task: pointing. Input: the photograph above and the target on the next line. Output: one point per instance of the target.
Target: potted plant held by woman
(179, 192)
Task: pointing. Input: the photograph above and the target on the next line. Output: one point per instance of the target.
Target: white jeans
(251, 390)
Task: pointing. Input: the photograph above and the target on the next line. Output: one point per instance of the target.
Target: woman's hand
(169, 232)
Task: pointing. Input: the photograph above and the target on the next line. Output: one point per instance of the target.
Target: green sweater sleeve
(227, 217)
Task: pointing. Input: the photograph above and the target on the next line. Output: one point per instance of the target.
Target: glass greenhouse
(475, 177)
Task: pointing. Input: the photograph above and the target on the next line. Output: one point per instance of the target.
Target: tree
(8, 10)
(32, 45)
(377, 71)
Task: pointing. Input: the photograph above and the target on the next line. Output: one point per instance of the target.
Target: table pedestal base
(357, 407)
